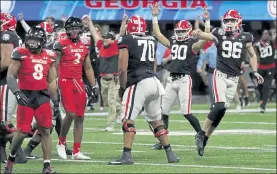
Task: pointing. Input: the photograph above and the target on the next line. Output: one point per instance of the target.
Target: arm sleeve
(123, 42)
(57, 46)
(10, 38)
(25, 25)
(16, 55)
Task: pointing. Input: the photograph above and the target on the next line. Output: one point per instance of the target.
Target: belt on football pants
(175, 76)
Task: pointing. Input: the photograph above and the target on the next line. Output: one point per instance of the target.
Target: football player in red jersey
(72, 56)
(33, 65)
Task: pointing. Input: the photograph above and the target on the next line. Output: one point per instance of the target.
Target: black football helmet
(35, 39)
(73, 27)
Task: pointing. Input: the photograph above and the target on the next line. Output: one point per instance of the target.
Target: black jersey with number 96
(231, 51)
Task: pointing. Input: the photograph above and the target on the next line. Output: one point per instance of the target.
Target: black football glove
(21, 98)
(121, 92)
(56, 110)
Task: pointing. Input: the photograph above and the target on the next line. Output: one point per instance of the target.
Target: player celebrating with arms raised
(230, 52)
(184, 47)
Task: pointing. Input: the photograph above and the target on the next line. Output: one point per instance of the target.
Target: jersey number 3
(148, 46)
(78, 57)
(38, 74)
(231, 49)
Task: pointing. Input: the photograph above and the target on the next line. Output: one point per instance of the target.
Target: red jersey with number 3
(33, 73)
(73, 57)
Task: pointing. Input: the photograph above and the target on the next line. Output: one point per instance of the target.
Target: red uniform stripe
(128, 102)
(2, 102)
(190, 93)
(215, 88)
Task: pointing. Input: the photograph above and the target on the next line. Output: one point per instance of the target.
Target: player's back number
(148, 52)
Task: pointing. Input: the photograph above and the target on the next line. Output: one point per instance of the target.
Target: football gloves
(93, 95)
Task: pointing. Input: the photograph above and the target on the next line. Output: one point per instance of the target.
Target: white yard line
(185, 121)
(269, 110)
(174, 165)
(177, 145)
(189, 133)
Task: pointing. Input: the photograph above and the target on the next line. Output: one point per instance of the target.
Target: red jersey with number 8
(73, 57)
(33, 73)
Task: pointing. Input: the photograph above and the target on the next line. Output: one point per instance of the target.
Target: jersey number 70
(148, 47)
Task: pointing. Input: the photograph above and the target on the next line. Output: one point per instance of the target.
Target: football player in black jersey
(8, 40)
(184, 48)
(231, 46)
(139, 87)
(265, 53)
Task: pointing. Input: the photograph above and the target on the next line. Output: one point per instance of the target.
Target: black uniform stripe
(132, 102)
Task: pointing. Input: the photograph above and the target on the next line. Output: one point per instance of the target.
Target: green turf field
(243, 143)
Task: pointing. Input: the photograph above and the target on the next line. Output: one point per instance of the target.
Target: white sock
(46, 161)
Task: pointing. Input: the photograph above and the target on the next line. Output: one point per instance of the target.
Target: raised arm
(93, 31)
(156, 29)
(23, 23)
(123, 24)
(203, 36)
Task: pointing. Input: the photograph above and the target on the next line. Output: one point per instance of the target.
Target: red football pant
(25, 114)
(73, 95)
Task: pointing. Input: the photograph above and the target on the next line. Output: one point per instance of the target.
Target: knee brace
(218, 107)
(127, 127)
(218, 118)
(160, 130)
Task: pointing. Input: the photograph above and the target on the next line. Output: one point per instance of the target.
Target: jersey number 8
(148, 46)
(231, 49)
(38, 74)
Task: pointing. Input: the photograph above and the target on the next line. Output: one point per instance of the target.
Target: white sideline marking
(189, 133)
(217, 132)
(269, 110)
(184, 121)
(176, 145)
(173, 165)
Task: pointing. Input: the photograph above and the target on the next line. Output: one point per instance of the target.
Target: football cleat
(157, 146)
(48, 170)
(126, 159)
(8, 167)
(199, 141)
(79, 156)
(61, 151)
(171, 156)
(109, 129)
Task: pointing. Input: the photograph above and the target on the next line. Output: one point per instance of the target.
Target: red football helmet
(7, 22)
(136, 25)
(49, 32)
(47, 27)
(232, 21)
(183, 30)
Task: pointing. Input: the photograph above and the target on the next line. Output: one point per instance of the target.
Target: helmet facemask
(230, 25)
(34, 44)
(182, 34)
(74, 33)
